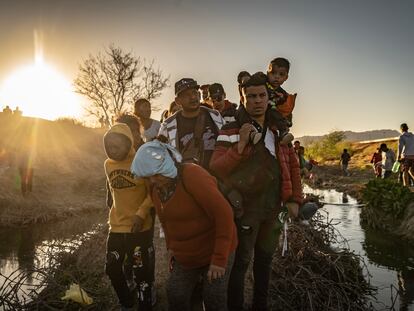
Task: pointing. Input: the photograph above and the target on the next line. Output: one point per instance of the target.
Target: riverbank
(331, 177)
(68, 178)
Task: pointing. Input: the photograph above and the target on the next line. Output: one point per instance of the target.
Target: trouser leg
(247, 230)
(263, 254)
(180, 287)
(215, 293)
(115, 255)
(142, 250)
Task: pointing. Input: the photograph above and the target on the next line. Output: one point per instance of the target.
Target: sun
(40, 91)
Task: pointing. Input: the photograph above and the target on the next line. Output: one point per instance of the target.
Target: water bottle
(396, 167)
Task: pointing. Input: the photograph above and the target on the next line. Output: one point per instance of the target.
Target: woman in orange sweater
(197, 221)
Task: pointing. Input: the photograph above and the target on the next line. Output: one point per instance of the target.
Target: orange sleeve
(287, 107)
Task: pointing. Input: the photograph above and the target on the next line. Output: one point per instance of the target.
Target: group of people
(8, 112)
(217, 176)
(385, 162)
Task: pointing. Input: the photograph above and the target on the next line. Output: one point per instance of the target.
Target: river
(390, 260)
(27, 249)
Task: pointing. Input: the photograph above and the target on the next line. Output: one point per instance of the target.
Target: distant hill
(354, 136)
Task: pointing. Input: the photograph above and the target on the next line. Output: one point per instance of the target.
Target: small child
(279, 113)
(130, 220)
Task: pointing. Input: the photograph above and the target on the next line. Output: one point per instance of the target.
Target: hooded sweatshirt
(406, 145)
(130, 195)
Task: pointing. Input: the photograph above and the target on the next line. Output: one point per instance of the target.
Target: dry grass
(68, 170)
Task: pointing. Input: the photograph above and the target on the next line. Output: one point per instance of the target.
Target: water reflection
(390, 260)
(26, 249)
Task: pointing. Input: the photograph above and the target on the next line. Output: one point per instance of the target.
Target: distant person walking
(143, 112)
(7, 111)
(25, 168)
(376, 162)
(406, 153)
(345, 158)
(388, 159)
(17, 112)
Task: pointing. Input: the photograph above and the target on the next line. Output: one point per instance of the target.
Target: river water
(390, 260)
(24, 250)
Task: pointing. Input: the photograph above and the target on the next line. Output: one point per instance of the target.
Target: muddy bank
(331, 177)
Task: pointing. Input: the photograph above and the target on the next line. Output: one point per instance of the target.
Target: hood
(123, 129)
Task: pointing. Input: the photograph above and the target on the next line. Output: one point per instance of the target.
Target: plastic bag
(77, 294)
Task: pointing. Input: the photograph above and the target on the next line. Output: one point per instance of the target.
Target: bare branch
(111, 81)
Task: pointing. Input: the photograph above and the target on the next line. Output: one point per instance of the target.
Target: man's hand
(215, 272)
(244, 133)
(138, 224)
(293, 209)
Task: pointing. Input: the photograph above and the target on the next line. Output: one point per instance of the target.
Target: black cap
(215, 89)
(185, 84)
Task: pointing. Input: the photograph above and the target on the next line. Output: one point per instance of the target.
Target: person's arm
(146, 205)
(143, 211)
(203, 187)
(401, 144)
(227, 156)
(109, 199)
(297, 194)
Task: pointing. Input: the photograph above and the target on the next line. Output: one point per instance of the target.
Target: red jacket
(197, 220)
(290, 168)
(226, 158)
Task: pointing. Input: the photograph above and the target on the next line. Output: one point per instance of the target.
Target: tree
(329, 147)
(113, 80)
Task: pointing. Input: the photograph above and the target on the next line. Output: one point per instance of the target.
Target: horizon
(350, 69)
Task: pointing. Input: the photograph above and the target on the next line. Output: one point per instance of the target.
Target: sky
(352, 62)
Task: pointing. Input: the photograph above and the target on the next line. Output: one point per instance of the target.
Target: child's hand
(138, 224)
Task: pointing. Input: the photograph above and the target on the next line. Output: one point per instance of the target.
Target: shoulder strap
(180, 168)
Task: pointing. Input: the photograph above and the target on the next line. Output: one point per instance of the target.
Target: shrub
(329, 148)
(386, 202)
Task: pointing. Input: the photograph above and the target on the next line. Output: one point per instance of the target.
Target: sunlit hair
(404, 127)
(279, 62)
(173, 105)
(257, 79)
(241, 75)
(129, 119)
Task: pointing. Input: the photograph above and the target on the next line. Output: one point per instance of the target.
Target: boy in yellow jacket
(130, 220)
